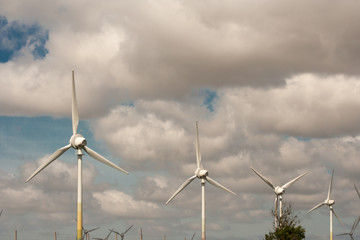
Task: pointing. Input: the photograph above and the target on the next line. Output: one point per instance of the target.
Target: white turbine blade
(292, 181)
(115, 231)
(197, 146)
(356, 222)
(128, 229)
(342, 234)
(52, 158)
(75, 113)
(330, 185)
(187, 182)
(337, 217)
(216, 184)
(92, 229)
(317, 206)
(100, 158)
(193, 236)
(264, 179)
(357, 190)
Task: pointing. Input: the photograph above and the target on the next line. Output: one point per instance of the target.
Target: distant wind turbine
(86, 232)
(123, 233)
(203, 175)
(330, 203)
(78, 142)
(279, 191)
(356, 222)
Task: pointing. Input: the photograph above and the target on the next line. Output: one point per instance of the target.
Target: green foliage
(289, 226)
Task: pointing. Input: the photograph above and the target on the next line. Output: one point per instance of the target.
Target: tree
(289, 225)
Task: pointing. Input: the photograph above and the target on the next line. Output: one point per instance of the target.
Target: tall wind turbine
(279, 191)
(356, 222)
(78, 142)
(203, 175)
(330, 203)
(123, 233)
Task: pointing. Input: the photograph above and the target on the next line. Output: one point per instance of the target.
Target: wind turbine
(279, 191)
(123, 233)
(203, 175)
(78, 142)
(356, 222)
(330, 203)
(106, 238)
(86, 232)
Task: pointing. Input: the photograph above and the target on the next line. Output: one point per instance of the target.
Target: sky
(274, 85)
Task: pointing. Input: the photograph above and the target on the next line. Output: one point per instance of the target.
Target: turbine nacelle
(330, 202)
(201, 173)
(279, 190)
(77, 141)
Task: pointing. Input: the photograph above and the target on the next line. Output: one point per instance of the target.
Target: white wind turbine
(356, 222)
(78, 142)
(203, 175)
(330, 203)
(279, 191)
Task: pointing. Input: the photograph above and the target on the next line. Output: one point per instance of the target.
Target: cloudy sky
(275, 85)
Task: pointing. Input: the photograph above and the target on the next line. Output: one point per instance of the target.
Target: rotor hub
(279, 190)
(77, 141)
(201, 173)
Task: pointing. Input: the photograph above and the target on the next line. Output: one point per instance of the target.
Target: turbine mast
(203, 220)
(79, 198)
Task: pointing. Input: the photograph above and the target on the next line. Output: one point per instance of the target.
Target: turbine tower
(78, 142)
(203, 175)
(330, 203)
(279, 191)
(356, 222)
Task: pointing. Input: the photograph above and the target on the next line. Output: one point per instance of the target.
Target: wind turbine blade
(216, 184)
(197, 146)
(92, 229)
(52, 158)
(337, 217)
(187, 182)
(356, 222)
(193, 236)
(357, 190)
(342, 234)
(114, 231)
(292, 181)
(100, 158)
(128, 229)
(317, 206)
(264, 179)
(330, 185)
(75, 113)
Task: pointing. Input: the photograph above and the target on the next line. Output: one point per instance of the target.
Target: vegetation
(289, 226)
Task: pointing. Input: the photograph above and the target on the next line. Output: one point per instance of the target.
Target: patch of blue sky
(14, 36)
(210, 97)
(24, 139)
